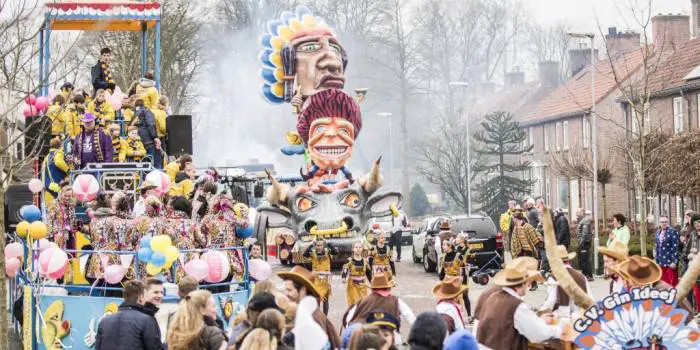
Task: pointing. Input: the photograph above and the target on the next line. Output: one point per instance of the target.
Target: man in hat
(445, 234)
(91, 145)
(511, 324)
(612, 255)
(146, 190)
(448, 292)
(666, 251)
(556, 296)
(388, 325)
(299, 283)
(380, 298)
(526, 240)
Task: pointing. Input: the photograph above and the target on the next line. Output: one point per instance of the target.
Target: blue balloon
(144, 254)
(146, 241)
(158, 259)
(30, 213)
(244, 233)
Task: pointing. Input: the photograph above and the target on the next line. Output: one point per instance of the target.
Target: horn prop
(373, 180)
(277, 193)
(688, 279)
(566, 282)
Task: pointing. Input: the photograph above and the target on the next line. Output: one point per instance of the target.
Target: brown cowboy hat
(514, 274)
(380, 281)
(564, 255)
(147, 185)
(638, 270)
(527, 262)
(449, 288)
(302, 276)
(445, 225)
(617, 250)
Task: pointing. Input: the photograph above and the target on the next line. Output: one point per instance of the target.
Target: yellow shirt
(104, 113)
(72, 122)
(56, 115)
(160, 116)
(131, 148)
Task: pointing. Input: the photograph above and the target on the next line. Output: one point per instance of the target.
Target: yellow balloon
(160, 243)
(38, 230)
(152, 270)
(171, 254)
(167, 265)
(23, 229)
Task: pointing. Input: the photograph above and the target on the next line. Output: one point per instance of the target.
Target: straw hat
(380, 281)
(638, 270)
(449, 288)
(445, 225)
(514, 274)
(564, 255)
(147, 185)
(302, 276)
(527, 262)
(617, 250)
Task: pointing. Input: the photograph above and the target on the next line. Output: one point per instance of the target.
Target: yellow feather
(276, 59)
(295, 24)
(309, 21)
(277, 43)
(285, 32)
(279, 74)
(278, 89)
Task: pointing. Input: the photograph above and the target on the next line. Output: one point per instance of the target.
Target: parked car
(386, 226)
(485, 243)
(419, 239)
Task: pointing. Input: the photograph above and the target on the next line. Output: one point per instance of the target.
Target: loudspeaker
(37, 136)
(179, 135)
(258, 190)
(16, 197)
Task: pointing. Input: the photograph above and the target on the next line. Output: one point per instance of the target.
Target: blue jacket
(133, 327)
(667, 249)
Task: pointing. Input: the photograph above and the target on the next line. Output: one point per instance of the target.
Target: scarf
(95, 144)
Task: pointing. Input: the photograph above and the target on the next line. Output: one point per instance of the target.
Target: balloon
(171, 254)
(146, 241)
(160, 179)
(30, 99)
(12, 266)
(157, 259)
(23, 229)
(42, 244)
(116, 101)
(85, 187)
(197, 269)
(30, 111)
(160, 243)
(152, 269)
(35, 185)
(144, 254)
(167, 265)
(53, 262)
(244, 232)
(219, 267)
(114, 274)
(259, 269)
(41, 103)
(38, 230)
(14, 250)
(30, 213)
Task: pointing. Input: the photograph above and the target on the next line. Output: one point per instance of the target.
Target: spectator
(532, 214)
(255, 251)
(115, 133)
(146, 190)
(200, 204)
(73, 114)
(561, 227)
(146, 91)
(684, 236)
(194, 327)
(66, 91)
(133, 327)
(56, 115)
(101, 73)
(268, 332)
(91, 145)
(154, 292)
(620, 232)
(388, 326)
(147, 131)
(526, 241)
(428, 332)
(506, 220)
(585, 237)
(368, 337)
(461, 340)
(398, 224)
(54, 170)
(101, 108)
(256, 305)
(186, 285)
(161, 115)
(666, 251)
(132, 149)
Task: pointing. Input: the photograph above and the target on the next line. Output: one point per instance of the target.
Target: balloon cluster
(213, 267)
(31, 226)
(158, 252)
(35, 105)
(14, 253)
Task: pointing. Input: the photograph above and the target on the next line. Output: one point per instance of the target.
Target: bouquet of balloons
(35, 105)
(158, 252)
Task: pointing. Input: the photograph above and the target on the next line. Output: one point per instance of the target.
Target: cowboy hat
(380, 281)
(449, 288)
(302, 276)
(638, 270)
(564, 255)
(515, 273)
(531, 265)
(617, 250)
(147, 185)
(445, 225)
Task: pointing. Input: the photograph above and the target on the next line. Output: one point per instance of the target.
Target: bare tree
(550, 43)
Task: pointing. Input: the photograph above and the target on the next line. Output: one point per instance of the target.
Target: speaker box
(179, 135)
(16, 197)
(37, 137)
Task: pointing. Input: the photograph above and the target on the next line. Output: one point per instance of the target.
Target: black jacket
(585, 237)
(100, 78)
(133, 327)
(561, 227)
(146, 125)
(533, 217)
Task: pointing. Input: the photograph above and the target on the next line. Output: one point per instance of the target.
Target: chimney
(619, 42)
(549, 73)
(580, 59)
(515, 77)
(695, 17)
(670, 31)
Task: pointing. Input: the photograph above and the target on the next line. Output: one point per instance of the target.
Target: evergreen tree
(419, 201)
(500, 143)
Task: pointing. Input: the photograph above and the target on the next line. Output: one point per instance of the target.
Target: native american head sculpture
(301, 56)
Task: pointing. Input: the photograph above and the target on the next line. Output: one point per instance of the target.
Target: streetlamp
(594, 147)
(464, 85)
(391, 144)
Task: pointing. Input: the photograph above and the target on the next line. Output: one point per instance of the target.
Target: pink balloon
(42, 244)
(259, 269)
(14, 250)
(30, 99)
(219, 267)
(114, 274)
(53, 262)
(30, 111)
(85, 187)
(160, 179)
(12, 266)
(197, 269)
(116, 103)
(42, 102)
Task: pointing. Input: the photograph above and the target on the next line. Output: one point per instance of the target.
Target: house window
(546, 138)
(547, 185)
(677, 114)
(586, 125)
(565, 135)
(531, 138)
(563, 193)
(557, 136)
(574, 190)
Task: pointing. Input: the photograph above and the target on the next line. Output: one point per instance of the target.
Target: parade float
(49, 254)
(303, 64)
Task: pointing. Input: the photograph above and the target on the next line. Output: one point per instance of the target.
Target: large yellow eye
(305, 204)
(352, 200)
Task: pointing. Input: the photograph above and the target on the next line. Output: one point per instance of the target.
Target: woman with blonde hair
(268, 332)
(368, 337)
(194, 325)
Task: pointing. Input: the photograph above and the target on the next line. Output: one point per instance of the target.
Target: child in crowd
(74, 114)
(115, 134)
(55, 114)
(101, 108)
(132, 149)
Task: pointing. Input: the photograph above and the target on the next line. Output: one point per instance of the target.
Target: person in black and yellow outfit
(320, 253)
(54, 170)
(462, 247)
(101, 74)
(356, 274)
(56, 115)
(380, 256)
(101, 109)
(115, 134)
(132, 149)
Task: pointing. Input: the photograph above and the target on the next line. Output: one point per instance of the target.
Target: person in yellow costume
(184, 182)
(101, 108)
(132, 149)
(115, 134)
(176, 166)
(56, 115)
(161, 114)
(506, 219)
(320, 252)
(73, 114)
(146, 91)
(453, 264)
(380, 256)
(54, 170)
(356, 275)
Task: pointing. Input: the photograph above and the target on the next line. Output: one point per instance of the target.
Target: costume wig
(329, 103)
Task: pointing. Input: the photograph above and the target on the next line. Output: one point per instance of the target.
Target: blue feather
(272, 26)
(267, 94)
(265, 58)
(302, 10)
(268, 74)
(265, 40)
(286, 16)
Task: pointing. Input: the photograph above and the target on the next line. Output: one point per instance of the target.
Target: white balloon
(35, 185)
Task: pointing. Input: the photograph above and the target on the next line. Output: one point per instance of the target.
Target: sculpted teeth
(332, 151)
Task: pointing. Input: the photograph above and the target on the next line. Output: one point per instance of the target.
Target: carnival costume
(454, 265)
(219, 228)
(62, 221)
(152, 224)
(109, 230)
(186, 235)
(54, 170)
(381, 262)
(357, 274)
(321, 266)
